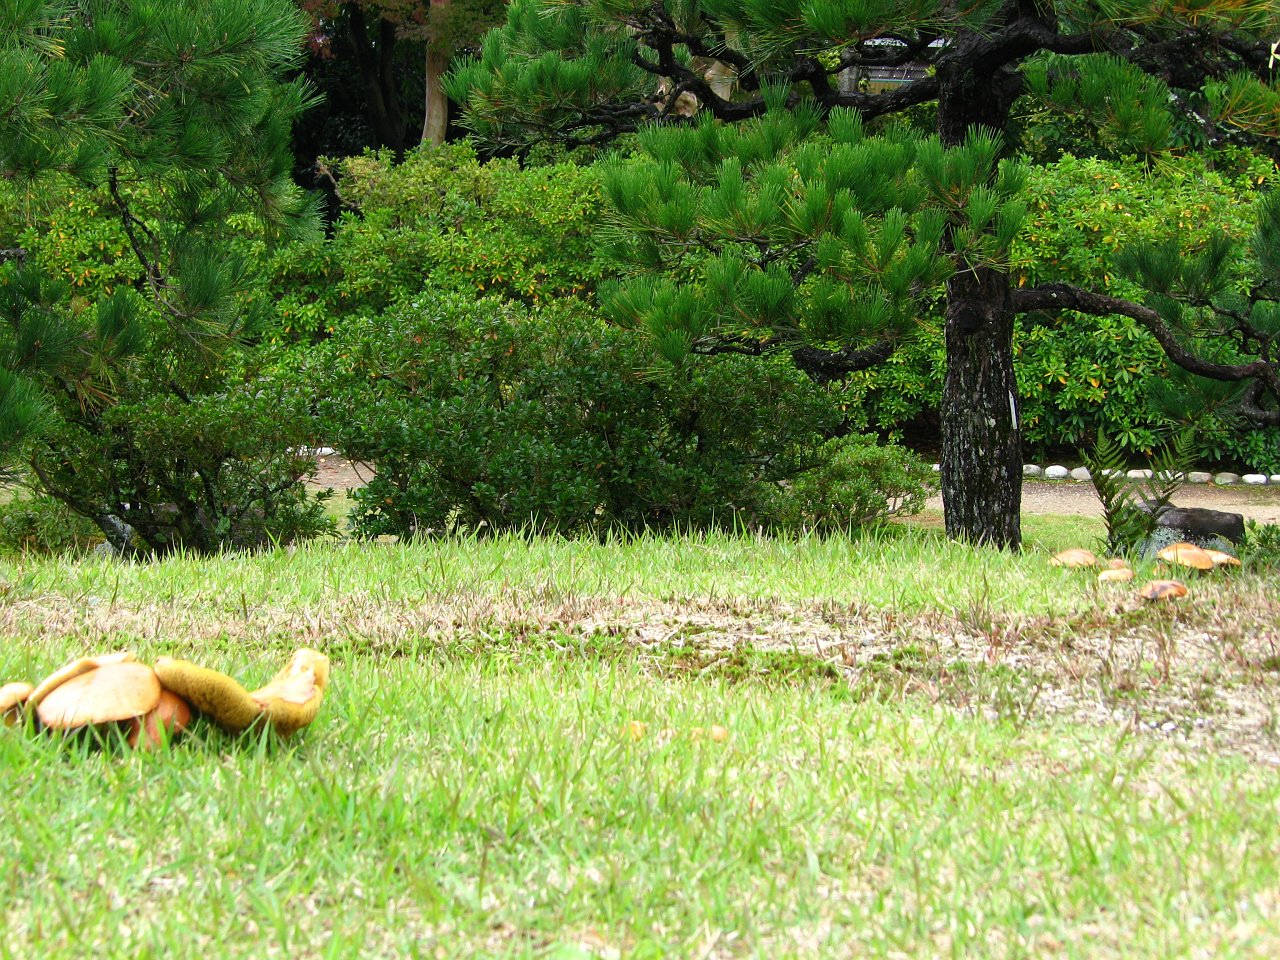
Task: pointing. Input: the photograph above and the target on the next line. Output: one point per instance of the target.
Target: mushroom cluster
(153, 704)
(1185, 555)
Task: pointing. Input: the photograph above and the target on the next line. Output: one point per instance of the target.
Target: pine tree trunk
(981, 437)
(981, 440)
(435, 121)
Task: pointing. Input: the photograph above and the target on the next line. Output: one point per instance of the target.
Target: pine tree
(176, 118)
(775, 221)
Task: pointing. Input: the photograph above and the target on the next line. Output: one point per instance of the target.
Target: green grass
(902, 567)
(507, 763)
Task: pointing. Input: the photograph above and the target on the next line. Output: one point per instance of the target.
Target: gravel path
(1067, 497)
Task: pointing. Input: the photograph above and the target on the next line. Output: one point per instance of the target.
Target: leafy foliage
(857, 481)
(141, 145)
(753, 249)
(481, 415)
(1261, 544)
(1131, 507)
(441, 220)
(1078, 375)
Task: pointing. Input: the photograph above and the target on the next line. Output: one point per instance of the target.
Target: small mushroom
(1117, 563)
(292, 698)
(165, 721)
(116, 691)
(1162, 590)
(1075, 557)
(1222, 559)
(74, 669)
(1186, 555)
(12, 698)
(211, 692)
(1116, 575)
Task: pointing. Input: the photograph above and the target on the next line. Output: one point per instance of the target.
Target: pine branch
(1064, 296)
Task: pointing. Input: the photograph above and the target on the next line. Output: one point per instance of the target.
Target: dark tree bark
(382, 93)
(981, 463)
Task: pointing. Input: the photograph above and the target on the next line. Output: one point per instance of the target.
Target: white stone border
(1031, 471)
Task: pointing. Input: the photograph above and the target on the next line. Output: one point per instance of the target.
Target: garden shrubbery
(446, 331)
(163, 438)
(441, 221)
(483, 414)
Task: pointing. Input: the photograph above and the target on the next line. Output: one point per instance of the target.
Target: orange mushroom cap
(74, 669)
(1186, 555)
(1162, 590)
(12, 697)
(168, 719)
(1222, 559)
(1075, 557)
(116, 691)
(1116, 575)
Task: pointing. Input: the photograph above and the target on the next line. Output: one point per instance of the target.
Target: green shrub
(482, 415)
(179, 434)
(35, 522)
(856, 482)
(205, 472)
(444, 221)
(1261, 545)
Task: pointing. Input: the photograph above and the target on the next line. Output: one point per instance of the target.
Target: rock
(1031, 470)
(1139, 474)
(1080, 473)
(1056, 472)
(1274, 478)
(1199, 476)
(1254, 479)
(1212, 529)
(1226, 479)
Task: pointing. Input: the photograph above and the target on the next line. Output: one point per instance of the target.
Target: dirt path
(1067, 497)
(1038, 496)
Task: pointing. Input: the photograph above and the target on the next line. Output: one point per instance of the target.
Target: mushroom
(1186, 555)
(116, 691)
(1116, 575)
(1222, 559)
(12, 698)
(1162, 590)
(1117, 563)
(74, 669)
(289, 702)
(211, 692)
(171, 715)
(1075, 557)
(292, 698)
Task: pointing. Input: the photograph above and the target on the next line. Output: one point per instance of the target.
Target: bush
(482, 415)
(443, 221)
(164, 437)
(205, 473)
(856, 482)
(35, 522)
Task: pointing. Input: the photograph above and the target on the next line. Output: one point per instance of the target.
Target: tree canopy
(174, 120)
(778, 205)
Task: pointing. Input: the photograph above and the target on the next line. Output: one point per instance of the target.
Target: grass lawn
(930, 751)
